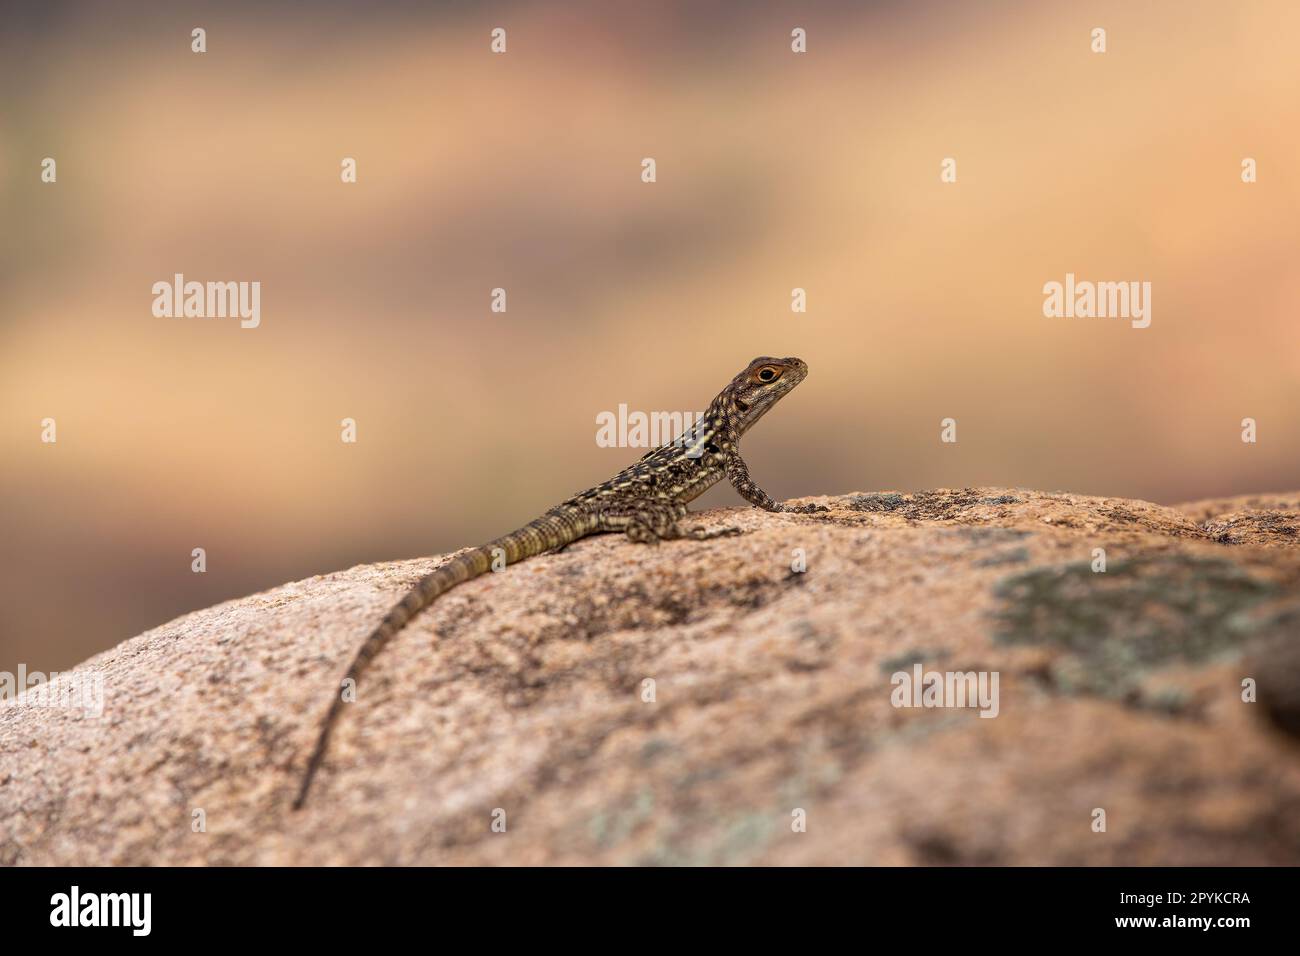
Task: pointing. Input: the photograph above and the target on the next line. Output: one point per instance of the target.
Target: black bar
(333, 906)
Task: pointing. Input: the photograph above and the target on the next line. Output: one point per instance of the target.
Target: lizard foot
(703, 534)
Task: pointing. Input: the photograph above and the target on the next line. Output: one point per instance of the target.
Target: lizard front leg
(738, 475)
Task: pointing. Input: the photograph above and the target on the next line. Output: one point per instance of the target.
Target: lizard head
(761, 385)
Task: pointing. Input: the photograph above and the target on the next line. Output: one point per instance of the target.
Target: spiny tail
(553, 530)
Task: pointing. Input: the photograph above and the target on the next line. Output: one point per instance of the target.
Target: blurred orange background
(523, 171)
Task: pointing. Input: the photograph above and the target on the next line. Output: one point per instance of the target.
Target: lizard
(645, 501)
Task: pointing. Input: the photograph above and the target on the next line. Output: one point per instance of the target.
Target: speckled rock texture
(522, 696)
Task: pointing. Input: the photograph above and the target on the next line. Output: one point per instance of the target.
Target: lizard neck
(726, 417)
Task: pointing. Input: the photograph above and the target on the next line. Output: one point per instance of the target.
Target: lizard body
(644, 500)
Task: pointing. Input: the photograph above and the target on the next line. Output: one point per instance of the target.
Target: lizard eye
(767, 374)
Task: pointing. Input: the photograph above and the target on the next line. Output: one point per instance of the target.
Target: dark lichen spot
(633, 604)
(927, 505)
(1121, 515)
(1128, 518)
(940, 505)
(1172, 701)
(1274, 661)
(1013, 556)
(654, 748)
(932, 846)
(1273, 527)
(1136, 617)
(905, 659)
(877, 502)
(983, 535)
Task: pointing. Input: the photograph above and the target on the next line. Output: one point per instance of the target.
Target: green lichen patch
(915, 655)
(1138, 616)
(1000, 558)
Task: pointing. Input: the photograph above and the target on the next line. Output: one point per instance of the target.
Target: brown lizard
(644, 500)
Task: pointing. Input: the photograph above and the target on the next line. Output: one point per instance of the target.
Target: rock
(523, 692)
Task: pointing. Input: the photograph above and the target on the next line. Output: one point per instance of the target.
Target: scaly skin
(644, 500)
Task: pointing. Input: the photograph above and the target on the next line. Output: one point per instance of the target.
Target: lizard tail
(546, 533)
(459, 569)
